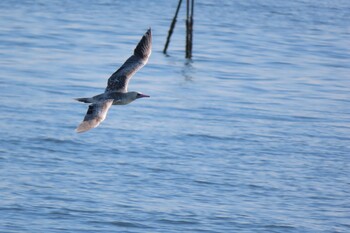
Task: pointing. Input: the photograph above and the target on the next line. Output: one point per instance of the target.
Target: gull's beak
(143, 95)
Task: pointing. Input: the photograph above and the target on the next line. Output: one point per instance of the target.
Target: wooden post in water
(189, 28)
(172, 27)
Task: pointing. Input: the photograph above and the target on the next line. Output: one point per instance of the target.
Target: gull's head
(138, 95)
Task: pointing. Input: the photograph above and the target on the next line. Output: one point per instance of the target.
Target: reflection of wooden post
(189, 28)
(172, 27)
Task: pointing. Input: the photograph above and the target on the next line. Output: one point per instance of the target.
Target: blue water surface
(251, 135)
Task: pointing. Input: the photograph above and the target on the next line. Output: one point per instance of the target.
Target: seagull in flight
(116, 92)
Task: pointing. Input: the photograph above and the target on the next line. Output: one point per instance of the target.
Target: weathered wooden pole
(172, 27)
(192, 5)
(189, 28)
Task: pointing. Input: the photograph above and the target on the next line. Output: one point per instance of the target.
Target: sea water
(250, 135)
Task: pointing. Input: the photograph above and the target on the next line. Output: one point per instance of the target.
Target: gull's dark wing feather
(96, 113)
(119, 80)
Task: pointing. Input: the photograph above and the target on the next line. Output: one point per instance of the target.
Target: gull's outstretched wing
(119, 80)
(96, 113)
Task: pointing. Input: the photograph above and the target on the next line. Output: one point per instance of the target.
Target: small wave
(176, 222)
(71, 211)
(57, 140)
(278, 226)
(12, 208)
(206, 136)
(204, 182)
(126, 224)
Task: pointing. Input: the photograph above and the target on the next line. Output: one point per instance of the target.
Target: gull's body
(116, 92)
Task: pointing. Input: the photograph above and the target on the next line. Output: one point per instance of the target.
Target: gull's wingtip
(144, 47)
(149, 31)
